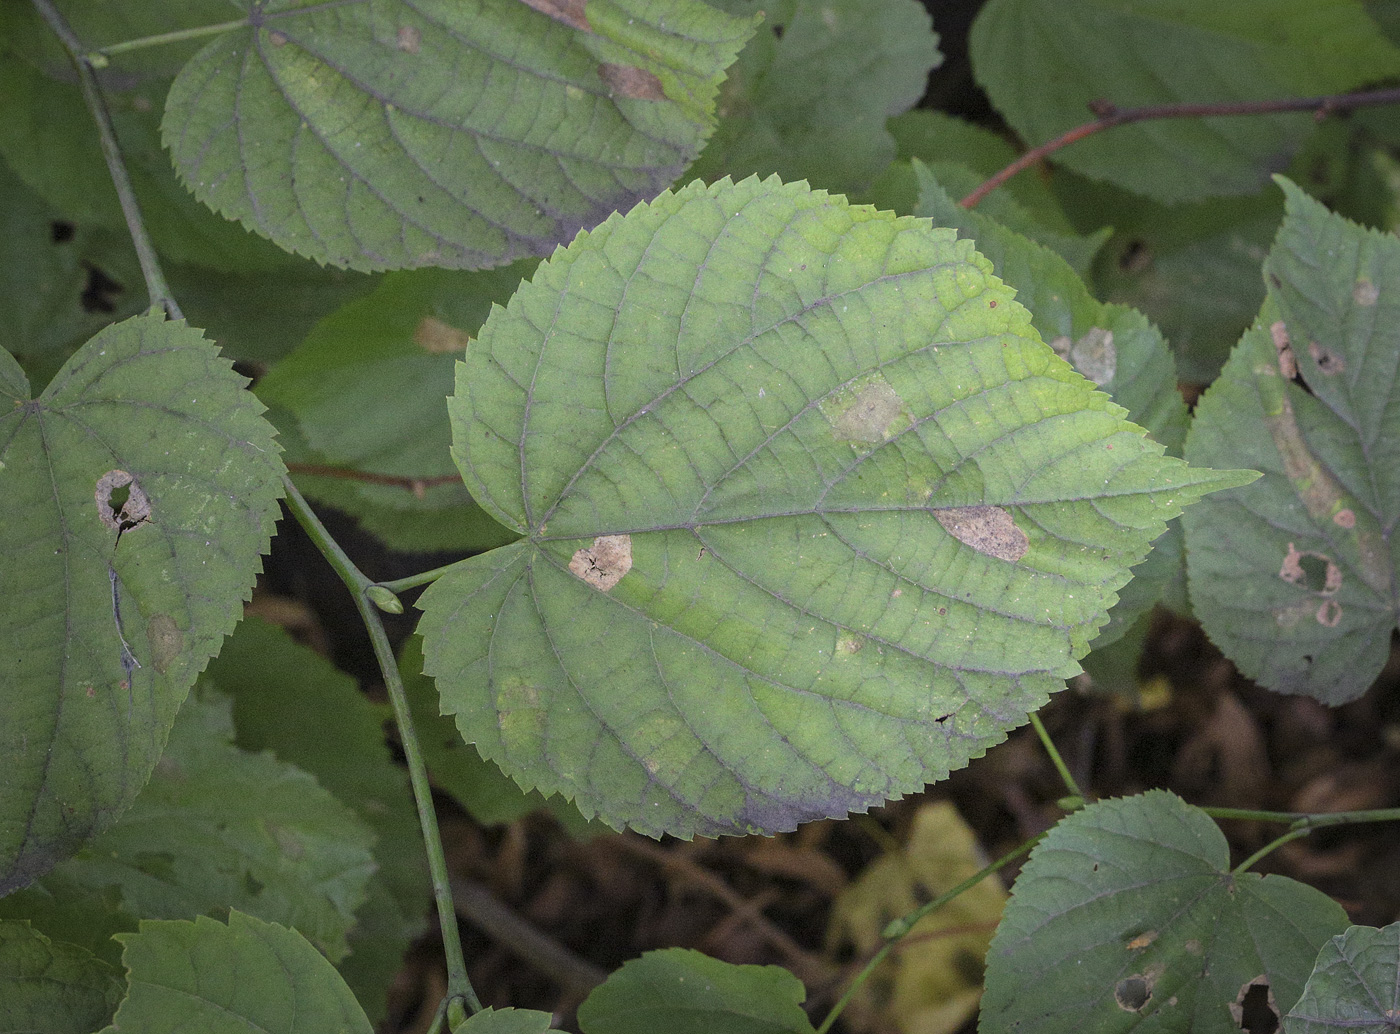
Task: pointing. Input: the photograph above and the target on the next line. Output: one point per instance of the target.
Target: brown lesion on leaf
(165, 640)
(631, 81)
(870, 414)
(570, 12)
(121, 502)
(410, 39)
(1321, 493)
(1093, 355)
(1329, 362)
(603, 564)
(439, 338)
(1287, 365)
(987, 529)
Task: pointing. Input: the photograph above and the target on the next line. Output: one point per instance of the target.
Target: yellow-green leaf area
(735, 427)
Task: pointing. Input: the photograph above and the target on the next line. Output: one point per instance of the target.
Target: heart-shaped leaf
(140, 489)
(812, 515)
(1127, 917)
(389, 134)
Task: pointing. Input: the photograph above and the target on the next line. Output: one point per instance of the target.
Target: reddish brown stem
(1111, 116)
(418, 486)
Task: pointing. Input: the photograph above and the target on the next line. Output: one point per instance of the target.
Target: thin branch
(1111, 116)
(418, 486)
(458, 984)
(161, 297)
(575, 975)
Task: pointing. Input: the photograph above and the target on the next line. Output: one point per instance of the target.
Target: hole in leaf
(61, 232)
(1254, 1009)
(1312, 571)
(1132, 993)
(778, 31)
(121, 503)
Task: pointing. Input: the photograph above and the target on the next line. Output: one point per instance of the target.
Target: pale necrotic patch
(987, 529)
(121, 503)
(1093, 355)
(439, 338)
(603, 564)
(870, 413)
(633, 82)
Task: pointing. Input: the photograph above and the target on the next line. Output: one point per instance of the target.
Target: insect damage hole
(987, 529)
(603, 564)
(1254, 1009)
(121, 503)
(1132, 993)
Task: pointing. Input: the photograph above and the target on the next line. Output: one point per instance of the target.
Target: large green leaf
(291, 701)
(685, 992)
(142, 486)
(809, 95)
(812, 515)
(1043, 64)
(391, 134)
(1295, 578)
(52, 987)
(1128, 917)
(1354, 986)
(217, 827)
(1112, 345)
(217, 979)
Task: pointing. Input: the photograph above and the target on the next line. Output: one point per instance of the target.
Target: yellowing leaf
(932, 982)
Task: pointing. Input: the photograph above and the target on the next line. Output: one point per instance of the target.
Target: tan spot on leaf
(1287, 365)
(278, 39)
(166, 641)
(630, 81)
(1365, 292)
(603, 564)
(410, 39)
(987, 529)
(1328, 361)
(848, 644)
(570, 12)
(1142, 940)
(1344, 518)
(870, 416)
(1093, 355)
(433, 335)
(121, 502)
(1329, 613)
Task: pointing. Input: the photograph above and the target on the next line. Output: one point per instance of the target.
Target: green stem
(415, 580)
(98, 58)
(900, 927)
(1292, 834)
(459, 986)
(1307, 820)
(111, 151)
(1054, 753)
